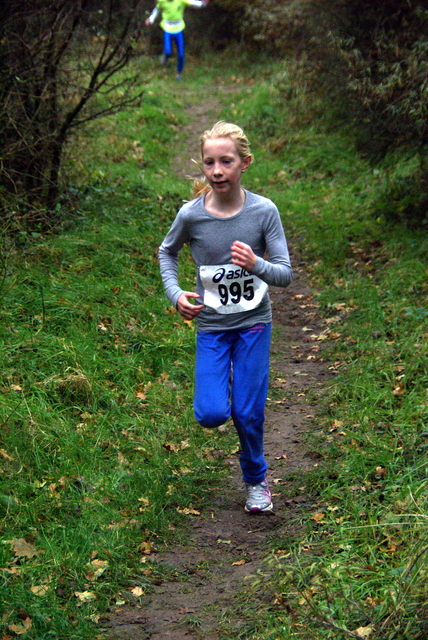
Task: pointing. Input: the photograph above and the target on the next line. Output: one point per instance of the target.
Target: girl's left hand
(243, 255)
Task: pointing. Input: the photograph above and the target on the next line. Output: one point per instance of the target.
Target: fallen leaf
(19, 629)
(14, 571)
(364, 632)
(122, 460)
(188, 511)
(5, 455)
(22, 548)
(85, 596)
(337, 424)
(317, 517)
(163, 377)
(40, 589)
(220, 541)
(97, 568)
(283, 457)
(171, 447)
(380, 472)
(238, 563)
(137, 591)
(147, 547)
(184, 470)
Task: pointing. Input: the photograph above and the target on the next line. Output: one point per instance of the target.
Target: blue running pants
(178, 38)
(231, 380)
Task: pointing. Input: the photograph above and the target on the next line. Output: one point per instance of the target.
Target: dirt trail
(204, 603)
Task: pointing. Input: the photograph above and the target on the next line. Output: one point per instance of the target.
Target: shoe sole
(267, 509)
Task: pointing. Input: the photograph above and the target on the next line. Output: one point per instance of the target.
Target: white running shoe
(258, 498)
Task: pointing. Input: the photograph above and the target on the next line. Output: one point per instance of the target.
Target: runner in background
(239, 247)
(172, 23)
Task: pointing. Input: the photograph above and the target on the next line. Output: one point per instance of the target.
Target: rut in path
(205, 602)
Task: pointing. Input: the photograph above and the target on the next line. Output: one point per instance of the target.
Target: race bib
(231, 289)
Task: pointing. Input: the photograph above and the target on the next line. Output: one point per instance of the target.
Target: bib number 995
(234, 292)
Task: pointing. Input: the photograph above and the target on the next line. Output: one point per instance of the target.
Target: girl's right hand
(185, 308)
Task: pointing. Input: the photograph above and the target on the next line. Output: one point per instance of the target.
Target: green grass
(363, 563)
(100, 453)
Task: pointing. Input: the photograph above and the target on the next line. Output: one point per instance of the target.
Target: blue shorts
(231, 380)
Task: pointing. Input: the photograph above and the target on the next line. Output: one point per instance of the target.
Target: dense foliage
(369, 59)
(59, 68)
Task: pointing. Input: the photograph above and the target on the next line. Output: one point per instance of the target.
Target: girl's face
(223, 166)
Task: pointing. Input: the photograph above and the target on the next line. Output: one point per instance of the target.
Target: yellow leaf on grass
(39, 589)
(317, 517)
(147, 547)
(171, 447)
(137, 591)
(380, 472)
(97, 568)
(364, 632)
(21, 628)
(85, 596)
(164, 376)
(22, 548)
(238, 563)
(13, 571)
(188, 511)
(122, 460)
(184, 470)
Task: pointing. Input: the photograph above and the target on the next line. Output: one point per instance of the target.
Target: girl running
(172, 23)
(231, 231)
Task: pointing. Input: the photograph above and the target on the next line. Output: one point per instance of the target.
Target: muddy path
(224, 546)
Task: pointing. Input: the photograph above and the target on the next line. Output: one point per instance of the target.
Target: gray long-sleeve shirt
(210, 237)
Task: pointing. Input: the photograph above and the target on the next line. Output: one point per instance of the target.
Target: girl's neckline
(228, 216)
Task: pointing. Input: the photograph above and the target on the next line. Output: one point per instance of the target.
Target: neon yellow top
(172, 14)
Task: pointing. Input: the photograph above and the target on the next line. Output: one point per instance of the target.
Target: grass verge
(361, 570)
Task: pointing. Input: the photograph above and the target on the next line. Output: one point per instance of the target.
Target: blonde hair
(222, 130)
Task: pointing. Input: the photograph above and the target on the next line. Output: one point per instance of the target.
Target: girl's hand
(243, 255)
(185, 308)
